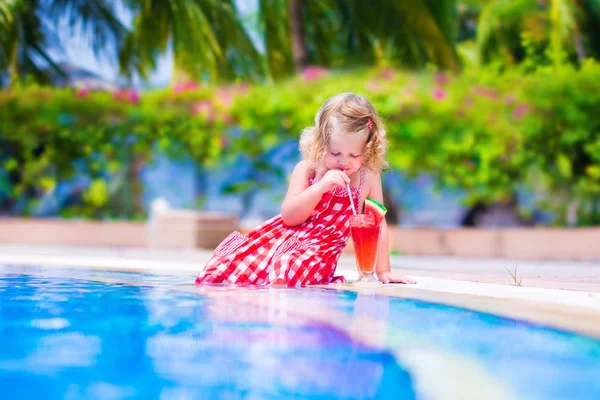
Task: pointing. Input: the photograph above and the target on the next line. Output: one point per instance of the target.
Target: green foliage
(47, 135)
(485, 133)
(210, 41)
(560, 31)
(563, 139)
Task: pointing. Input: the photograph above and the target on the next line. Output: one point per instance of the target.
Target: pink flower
(224, 142)
(313, 73)
(520, 111)
(441, 79)
(510, 99)
(82, 92)
(134, 97)
(185, 86)
(387, 74)
(127, 95)
(485, 92)
(439, 94)
(205, 108)
(372, 86)
(225, 97)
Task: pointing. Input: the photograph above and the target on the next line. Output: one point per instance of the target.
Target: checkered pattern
(292, 255)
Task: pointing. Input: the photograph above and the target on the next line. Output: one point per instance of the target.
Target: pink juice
(365, 235)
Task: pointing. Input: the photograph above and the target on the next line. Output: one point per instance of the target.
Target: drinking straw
(351, 201)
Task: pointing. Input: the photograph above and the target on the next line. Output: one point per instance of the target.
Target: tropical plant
(558, 29)
(207, 37)
(359, 32)
(209, 40)
(27, 27)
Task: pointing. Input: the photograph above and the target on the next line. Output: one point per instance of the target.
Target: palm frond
(409, 33)
(564, 27)
(23, 41)
(435, 31)
(133, 59)
(591, 25)
(240, 56)
(97, 19)
(322, 23)
(563, 16)
(207, 36)
(275, 29)
(8, 12)
(498, 20)
(445, 14)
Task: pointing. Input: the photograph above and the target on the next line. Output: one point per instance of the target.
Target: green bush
(562, 137)
(490, 135)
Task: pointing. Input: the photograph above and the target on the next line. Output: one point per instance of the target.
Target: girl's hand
(391, 277)
(332, 179)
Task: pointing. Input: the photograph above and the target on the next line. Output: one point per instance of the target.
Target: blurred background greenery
(495, 100)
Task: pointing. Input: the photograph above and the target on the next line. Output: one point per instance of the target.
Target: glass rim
(361, 218)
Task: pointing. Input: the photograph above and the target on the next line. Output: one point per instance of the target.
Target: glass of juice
(365, 235)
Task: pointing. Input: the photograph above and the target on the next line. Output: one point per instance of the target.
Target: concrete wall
(199, 230)
(73, 233)
(524, 243)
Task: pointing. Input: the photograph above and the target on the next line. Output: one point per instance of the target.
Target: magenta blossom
(485, 92)
(441, 79)
(83, 92)
(134, 97)
(185, 86)
(205, 108)
(313, 73)
(127, 95)
(225, 96)
(439, 94)
(387, 74)
(520, 111)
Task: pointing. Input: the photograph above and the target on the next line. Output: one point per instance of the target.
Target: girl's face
(345, 152)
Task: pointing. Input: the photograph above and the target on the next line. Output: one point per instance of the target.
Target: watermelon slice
(376, 209)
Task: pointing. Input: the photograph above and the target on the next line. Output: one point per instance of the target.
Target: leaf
(564, 166)
(97, 193)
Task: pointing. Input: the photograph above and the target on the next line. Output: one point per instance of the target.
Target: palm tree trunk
(13, 63)
(579, 48)
(299, 50)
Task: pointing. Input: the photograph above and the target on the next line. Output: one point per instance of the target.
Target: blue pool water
(159, 337)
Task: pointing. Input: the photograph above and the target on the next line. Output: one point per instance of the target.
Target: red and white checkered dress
(299, 255)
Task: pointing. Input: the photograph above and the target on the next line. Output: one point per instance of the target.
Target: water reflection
(65, 338)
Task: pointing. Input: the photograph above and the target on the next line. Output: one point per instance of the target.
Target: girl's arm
(302, 198)
(383, 250)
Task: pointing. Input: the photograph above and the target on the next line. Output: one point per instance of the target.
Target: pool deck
(561, 294)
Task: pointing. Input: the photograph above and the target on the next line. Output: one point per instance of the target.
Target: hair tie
(369, 123)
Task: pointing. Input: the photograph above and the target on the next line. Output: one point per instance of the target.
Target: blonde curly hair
(351, 114)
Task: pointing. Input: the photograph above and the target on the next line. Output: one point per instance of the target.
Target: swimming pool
(91, 334)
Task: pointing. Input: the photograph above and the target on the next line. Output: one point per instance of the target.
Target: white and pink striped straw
(350, 196)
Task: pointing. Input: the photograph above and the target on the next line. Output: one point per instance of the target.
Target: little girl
(301, 246)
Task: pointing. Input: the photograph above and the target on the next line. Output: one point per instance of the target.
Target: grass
(514, 279)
